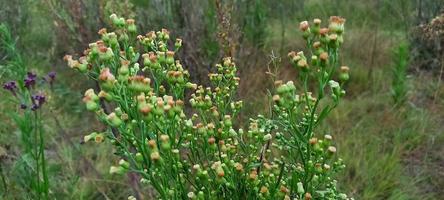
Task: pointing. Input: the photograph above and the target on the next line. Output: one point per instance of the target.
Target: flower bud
(263, 190)
(165, 142)
(92, 106)
(124, 68)
(118, 22)
(169, 57)
(107, 79)
(105, 54)
(333, 40)
(131, 27)
(267, 137)
(155, 156)
(91, 100)
(316, 26)
(307, 196)
(112, 41)
(305, 28)
(139, 83)
(105, 95)
(303, 65)
(332, 149)
(99, 138)
(323, 58)
(139, 157)
(336, 24)
(161, 57)
(124, 164)
(114, 120)
(178, 44)
(343, 75)
(87, 138)
(117, 170)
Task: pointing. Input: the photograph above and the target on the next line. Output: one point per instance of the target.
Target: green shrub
(195, 150)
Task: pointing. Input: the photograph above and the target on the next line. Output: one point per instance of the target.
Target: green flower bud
(106, 79)
(89, 137)
(165, 142)
(117, 170)
(124, 164)
(131, 26)
(139, 157)
(343, 75)
(92, 106)
(161, 57)
(169, 57)
(114, 120)
(178, 44)
(336, 24)
(139, 83)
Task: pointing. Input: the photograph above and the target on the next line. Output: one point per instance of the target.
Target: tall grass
(399, 74)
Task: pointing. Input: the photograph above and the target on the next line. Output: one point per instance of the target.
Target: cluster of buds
(286, 96)
(139, 83)
(176, 74)
(151, 106)
(226, 75)
(331, 37)
(154, 151)
(201, 99)
(107, 79)
(80, 64)
(336, 89)
(298, 60)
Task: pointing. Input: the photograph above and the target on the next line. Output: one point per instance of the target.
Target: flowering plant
(29, 98)
(193, 149)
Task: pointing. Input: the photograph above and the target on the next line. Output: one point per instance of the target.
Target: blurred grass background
(389, 128)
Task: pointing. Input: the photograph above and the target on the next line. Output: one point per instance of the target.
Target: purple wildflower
(10, 85)
(31, 75)
(34, 107)
(30, 80)
(38, 99)
(52, 75)
(23, 106)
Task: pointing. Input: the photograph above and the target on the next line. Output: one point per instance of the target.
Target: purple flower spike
(11, 86)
